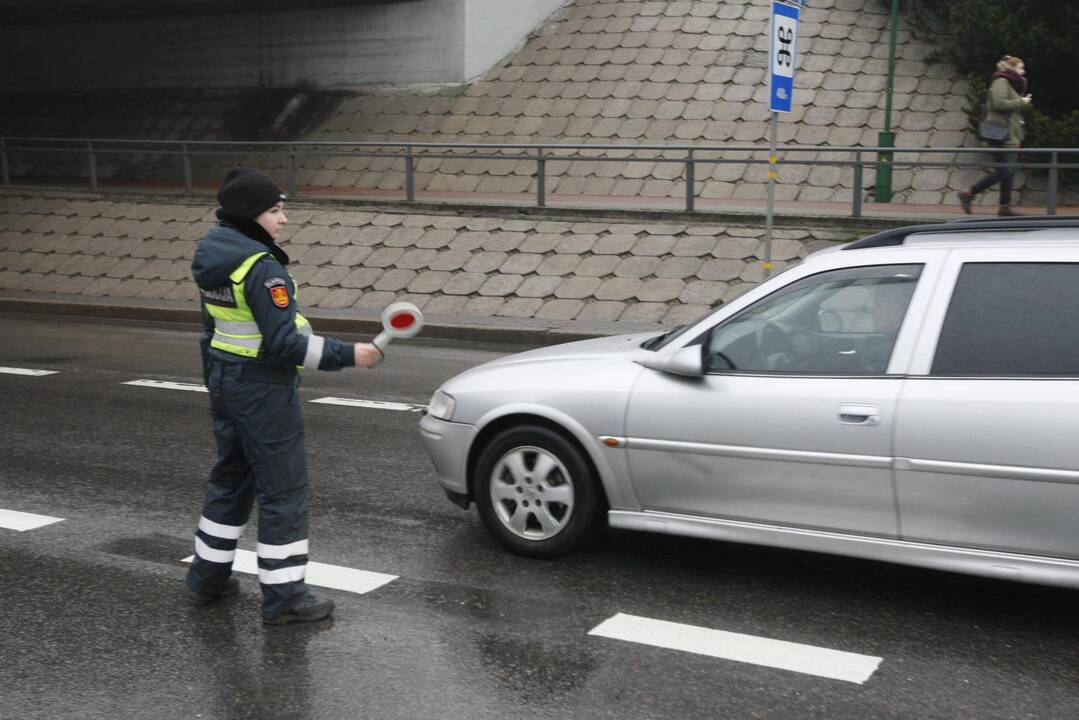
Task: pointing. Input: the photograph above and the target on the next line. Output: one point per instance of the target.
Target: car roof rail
(896, 236)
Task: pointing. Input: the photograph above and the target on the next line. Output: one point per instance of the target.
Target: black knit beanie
(248, 193)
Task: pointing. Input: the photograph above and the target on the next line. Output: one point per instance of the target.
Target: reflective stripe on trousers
(294, 553)
(216, 542)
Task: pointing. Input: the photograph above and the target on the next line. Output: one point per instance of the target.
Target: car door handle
(859, 415)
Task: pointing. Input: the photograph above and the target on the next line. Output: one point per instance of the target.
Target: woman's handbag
(993, 130)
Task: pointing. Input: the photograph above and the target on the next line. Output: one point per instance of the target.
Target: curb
(519, 334)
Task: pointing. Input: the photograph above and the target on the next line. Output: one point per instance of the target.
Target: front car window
(841, 322)
(661, 341)
(1011, 319)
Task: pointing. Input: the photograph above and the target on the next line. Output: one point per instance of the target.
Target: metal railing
(409, 153)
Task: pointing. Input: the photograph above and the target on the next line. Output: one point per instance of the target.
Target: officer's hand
(367, 355)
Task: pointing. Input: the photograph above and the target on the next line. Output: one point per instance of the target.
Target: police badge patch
(278, 288)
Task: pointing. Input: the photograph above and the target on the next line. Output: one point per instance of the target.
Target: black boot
(204, 597)
(302, 608)
(965, 199)
(1006, 211)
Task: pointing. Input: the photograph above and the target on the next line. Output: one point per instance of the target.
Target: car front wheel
(536, 493)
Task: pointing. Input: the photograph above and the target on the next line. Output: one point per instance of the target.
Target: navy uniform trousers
(258, 425)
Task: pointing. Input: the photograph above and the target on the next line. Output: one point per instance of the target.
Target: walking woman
(1008, 99)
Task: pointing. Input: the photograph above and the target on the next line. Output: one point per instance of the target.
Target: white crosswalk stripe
(335, 577)
(346, 402)
(25, 371)
(795, 657)
(373, 404)
(165, 385)
(22, 521)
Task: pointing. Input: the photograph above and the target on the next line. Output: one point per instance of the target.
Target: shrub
(1044, 34)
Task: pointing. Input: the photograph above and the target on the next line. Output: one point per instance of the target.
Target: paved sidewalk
(898, 212)
(815, 210)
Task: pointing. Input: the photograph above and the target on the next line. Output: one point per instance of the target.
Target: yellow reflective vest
(235, 329)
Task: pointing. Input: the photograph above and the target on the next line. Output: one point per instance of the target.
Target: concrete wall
(421, 41)
(493, 28)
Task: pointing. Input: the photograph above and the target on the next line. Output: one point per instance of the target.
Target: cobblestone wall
(482, 267)
(675, 72)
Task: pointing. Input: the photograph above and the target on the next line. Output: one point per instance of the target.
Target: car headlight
(441, 406)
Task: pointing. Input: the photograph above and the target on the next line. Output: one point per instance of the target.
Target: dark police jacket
(283, 348)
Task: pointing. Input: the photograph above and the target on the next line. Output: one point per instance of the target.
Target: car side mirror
(687, 361)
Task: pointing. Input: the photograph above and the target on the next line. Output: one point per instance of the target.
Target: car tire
(536, 492)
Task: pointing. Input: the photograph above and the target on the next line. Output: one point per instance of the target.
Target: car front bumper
(447, 445)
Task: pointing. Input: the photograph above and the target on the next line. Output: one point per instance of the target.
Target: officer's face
(273, 220)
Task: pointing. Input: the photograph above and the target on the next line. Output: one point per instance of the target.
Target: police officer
(253, 341)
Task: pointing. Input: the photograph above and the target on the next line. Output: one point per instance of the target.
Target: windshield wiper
(652, 343)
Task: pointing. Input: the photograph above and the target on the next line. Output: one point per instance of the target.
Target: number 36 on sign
(784, 52)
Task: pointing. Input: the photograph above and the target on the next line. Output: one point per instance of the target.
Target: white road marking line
(165, 385)
(373, 404)
(335, 577)
(26, 371)
(349, 402)
(795, 657)
(15, 520)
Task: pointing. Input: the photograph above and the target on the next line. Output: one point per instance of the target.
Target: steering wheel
(771, 341)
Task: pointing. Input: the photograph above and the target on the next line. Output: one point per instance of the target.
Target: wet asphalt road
(94, 622)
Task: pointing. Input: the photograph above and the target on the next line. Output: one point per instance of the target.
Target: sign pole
(772, 164)
(783, 47)
(886, 138)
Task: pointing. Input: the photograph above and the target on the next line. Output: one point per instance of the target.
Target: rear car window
(1008, 319)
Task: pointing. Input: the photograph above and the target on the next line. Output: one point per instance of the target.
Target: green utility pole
(886, 138)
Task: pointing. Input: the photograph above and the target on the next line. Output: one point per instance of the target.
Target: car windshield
(661, 341)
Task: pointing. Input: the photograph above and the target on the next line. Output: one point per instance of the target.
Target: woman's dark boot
(965, 199)
(1006, 211)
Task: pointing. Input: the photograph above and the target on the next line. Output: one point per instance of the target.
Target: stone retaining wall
(468, 266)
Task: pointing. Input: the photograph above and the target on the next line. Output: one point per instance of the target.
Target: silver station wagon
(911, 397)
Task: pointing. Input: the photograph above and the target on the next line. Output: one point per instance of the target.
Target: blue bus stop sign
(784, 50)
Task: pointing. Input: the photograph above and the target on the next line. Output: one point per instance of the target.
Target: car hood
(592, 376)
(595, 348)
